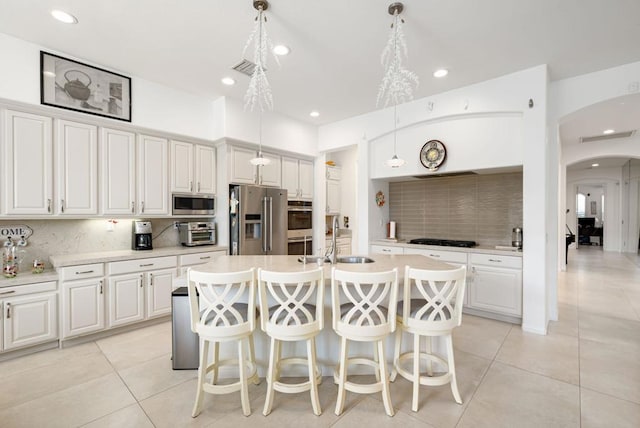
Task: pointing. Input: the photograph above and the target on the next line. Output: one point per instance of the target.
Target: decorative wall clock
(433, 154)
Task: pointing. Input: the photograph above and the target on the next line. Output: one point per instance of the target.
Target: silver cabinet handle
(84, 272)
(101, 287)
(270, 223)
(151, 279)
(495, 260)
(205, 257)
(8, 310)
(386, 250)
(140, 280)
(7, 292)
(255, 178)
(62, 206)
(48, 205)
(191, 186)
(434, 255)
(133, 204)
(198, 187)
(264, 224)
(146, 264)
(142, 207)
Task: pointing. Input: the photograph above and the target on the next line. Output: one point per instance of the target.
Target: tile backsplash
(59, 237)
(481, 208)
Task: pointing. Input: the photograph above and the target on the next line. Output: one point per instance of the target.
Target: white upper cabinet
(193, 168)
(118, 171)
(28, 164)
(77, 168)
(243, 172)
(297, 178)
(153, 182)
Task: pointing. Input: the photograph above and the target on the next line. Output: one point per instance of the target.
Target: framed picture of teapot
(72, 85)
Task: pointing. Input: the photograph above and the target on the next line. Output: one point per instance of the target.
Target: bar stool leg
(342, 376)
(396, 353)
(202, 374)
(376, 359)
(271, 375)
(311, 358)
(216, 358)
(252, 355)
(429, 350)
(416, 371)
(452, 370)
(244, 388)
(386, 394)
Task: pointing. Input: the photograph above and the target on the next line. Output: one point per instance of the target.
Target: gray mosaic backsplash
(481, 208)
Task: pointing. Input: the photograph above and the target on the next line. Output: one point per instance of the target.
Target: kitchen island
(327, 342)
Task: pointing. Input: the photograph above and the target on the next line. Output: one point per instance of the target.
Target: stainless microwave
(200, 205)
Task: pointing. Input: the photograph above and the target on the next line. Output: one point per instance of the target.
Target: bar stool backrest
(228, 302)
(437, 299)
(297, 302)
(364, 303)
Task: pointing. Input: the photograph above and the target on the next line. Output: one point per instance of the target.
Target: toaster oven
(193, 233)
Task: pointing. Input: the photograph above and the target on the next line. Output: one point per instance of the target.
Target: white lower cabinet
(496, 284)
(28, 319)
(159, 287)
(82, 307)
(126, 299)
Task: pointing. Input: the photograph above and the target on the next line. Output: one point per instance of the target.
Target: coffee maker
(141, 236)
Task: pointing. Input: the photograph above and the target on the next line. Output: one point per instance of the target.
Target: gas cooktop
(443, 242)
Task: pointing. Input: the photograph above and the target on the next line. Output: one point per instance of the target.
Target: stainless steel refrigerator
(257, 220)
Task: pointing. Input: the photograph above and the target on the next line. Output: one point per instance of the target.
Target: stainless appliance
(257, 220)
(299, 227)
(141, 236)
(516, 237)
(184, 344)
(443, 242)
(200, 205)
(193, 233)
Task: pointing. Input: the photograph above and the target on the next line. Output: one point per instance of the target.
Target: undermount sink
(355, 259)
(314, 259)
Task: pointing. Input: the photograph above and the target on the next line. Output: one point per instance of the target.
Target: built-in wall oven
(300, 228)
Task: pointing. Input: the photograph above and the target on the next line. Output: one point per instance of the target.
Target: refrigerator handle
(270, 223)
(264, 224)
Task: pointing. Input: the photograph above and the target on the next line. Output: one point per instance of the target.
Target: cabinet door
(77, 166)
(182, 167)
(242, 171)
(28, 163)
(305, 179)
(290, 177)
(271, 174)
(118, 168)
(153, 184)
(82, 307)
(159, 287)
(205, 170)
(30, 320)
(333, 196)
(126, 299)
(496, 289)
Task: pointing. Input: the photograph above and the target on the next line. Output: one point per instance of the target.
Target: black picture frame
(72, 85)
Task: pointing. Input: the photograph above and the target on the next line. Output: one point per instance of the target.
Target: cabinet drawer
(498, 261)
(199, 258)
(445, 256)
(140, 265)
(380, 249)
(81, 271)
(20, 290)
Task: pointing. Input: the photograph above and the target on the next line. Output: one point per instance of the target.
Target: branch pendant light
(397, 82)
(259, 91)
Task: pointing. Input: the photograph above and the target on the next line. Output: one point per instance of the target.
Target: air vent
(449, 174)
(625, 134)
(245, 67)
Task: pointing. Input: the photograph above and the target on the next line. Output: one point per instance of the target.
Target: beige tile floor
(585, 372)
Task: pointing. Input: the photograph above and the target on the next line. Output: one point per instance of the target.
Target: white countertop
(27, 277)
(119, 255)
(479, 249)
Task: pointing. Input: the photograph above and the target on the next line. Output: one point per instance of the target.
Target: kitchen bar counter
(119, 255)
(477, 249)
(27, 277)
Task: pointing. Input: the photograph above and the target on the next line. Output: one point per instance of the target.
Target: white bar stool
(225, 318)
(366, 313)
(297, 315)
(436, 312)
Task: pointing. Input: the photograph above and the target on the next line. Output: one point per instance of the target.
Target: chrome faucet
(334, 252)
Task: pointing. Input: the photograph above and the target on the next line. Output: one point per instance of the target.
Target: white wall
(154, 106)
(497, 108)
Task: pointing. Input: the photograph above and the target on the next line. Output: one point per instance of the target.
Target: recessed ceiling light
(63, 16)
(440, 73)
(228, 81)
(314, 113)
(608, 131)
(281, 50)
(595, 165)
